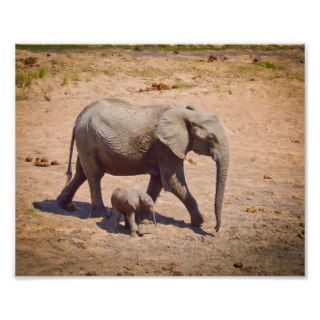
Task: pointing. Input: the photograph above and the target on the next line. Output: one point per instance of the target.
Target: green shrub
(42, 72)
(267, 64)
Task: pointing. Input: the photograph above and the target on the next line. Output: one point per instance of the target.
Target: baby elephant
(131, 204)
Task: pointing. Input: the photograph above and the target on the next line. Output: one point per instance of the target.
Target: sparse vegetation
(24, 77)
(267, 64)
(42, 72)
(32, 211)
(65, 80)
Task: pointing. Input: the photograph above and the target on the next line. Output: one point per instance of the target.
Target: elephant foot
(196, 221)
(65, 203)
(102, 212)
(134, 234)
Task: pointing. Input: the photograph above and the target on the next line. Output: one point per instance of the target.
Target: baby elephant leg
(132, 224)
(118, 216)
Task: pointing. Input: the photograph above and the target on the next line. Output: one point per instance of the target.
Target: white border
(158, 22)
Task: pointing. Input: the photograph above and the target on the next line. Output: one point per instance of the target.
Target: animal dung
(159, 87)
(212, 58)
(251, 210)
(255, 59)
(238, 265)
(43, 162)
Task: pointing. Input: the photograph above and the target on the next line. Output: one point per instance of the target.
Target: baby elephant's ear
(133, 199)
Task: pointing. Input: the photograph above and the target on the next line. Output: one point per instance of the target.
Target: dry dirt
(262, 110)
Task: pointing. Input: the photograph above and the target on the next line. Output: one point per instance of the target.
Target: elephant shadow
(83, 210)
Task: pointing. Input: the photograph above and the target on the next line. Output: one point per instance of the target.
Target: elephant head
(188, 129)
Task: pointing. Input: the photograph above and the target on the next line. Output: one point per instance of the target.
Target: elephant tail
(69, 170)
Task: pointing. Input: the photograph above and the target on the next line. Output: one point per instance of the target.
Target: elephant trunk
(221, 158)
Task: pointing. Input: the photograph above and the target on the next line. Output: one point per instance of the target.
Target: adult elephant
(115, 137)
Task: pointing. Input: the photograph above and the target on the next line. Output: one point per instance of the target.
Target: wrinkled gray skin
(115, 137)
(132, 203)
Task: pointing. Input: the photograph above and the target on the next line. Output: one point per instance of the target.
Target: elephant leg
(132, 224)
(71, 188)
(154, 189)
(94, 174)
(126, 222)
(118, 216)
(174, 181)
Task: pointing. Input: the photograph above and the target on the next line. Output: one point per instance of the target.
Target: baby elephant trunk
(154, 218)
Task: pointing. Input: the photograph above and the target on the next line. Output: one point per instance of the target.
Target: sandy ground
(262, 110)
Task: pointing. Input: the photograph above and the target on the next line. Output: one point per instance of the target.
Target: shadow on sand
(83, 210)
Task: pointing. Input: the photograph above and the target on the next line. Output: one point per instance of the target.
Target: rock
(55, 163)
(44, 159)
(154, 85)
(238, 265)
(29, 159)
(251, 209)
(266, 177)
(174, 86)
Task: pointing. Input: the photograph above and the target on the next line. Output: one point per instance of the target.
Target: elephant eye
(211, 136)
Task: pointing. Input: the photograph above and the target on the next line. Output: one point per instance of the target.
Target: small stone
(29, 159)
(55, 163)
(154, 85)
(44, 159)
(174, 86)
(238, 265)
(266, 177)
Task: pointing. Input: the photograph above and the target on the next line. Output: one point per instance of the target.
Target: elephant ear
(172, 130)
(133, 199)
